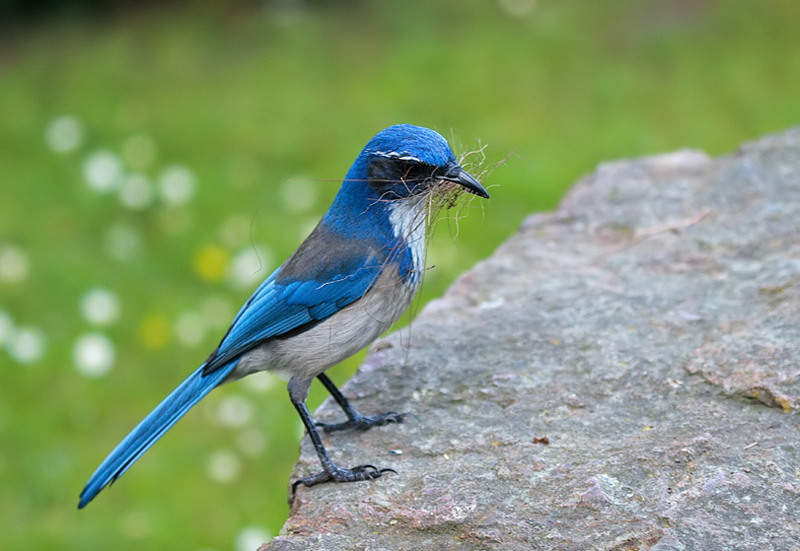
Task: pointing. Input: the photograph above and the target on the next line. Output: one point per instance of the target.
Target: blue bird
(346, 284)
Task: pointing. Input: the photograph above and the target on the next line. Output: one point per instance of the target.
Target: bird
(344, 286)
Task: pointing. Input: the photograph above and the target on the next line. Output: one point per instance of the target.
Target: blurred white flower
(122, 241)
(93, 354)
(14, 264)
(103, 171)
(26, 345)
(261, 382)
(100, 306)
(251, 442)
(190, 328)
(517, 8)
(136, 192)
(251, 537)
(234, 411)
(299, 194)
(224, 466)
(250, 266)
(177, 185)
(64, 134)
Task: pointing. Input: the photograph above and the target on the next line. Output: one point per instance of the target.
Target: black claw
(354, 474)
(366, 422)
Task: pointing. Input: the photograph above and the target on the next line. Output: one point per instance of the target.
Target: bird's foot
(340, 474)
(365, 422)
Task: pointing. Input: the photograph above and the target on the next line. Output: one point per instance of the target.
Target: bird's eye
(398, 177)
(417, 172)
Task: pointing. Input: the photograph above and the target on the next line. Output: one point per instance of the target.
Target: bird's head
(405, 160)
(401, 163)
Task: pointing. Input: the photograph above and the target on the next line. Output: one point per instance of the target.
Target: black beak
(460, 176)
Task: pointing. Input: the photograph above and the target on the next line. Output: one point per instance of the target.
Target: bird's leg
(331, 472)
(354, 419)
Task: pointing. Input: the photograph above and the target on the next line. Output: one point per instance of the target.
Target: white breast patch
(409, 221)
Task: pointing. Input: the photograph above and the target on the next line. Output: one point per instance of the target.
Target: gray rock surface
(621, 374)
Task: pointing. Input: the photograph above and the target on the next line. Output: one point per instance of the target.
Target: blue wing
(327, 273)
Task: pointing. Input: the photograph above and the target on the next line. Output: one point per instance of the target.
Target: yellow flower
(210, 262)
(154, 331)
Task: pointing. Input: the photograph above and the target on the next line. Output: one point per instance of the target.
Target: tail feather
(152, 427)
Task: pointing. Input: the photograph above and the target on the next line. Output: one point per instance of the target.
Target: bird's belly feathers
(336, 338)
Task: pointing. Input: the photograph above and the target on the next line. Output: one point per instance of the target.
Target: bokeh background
(157, 160)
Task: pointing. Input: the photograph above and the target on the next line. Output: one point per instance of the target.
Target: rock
(621, 374)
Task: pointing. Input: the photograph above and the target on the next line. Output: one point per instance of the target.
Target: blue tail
(152, 427)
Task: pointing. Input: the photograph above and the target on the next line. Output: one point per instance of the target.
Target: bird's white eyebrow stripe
(398, 156)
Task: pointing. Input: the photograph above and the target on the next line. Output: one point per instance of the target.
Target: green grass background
(265, 100)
